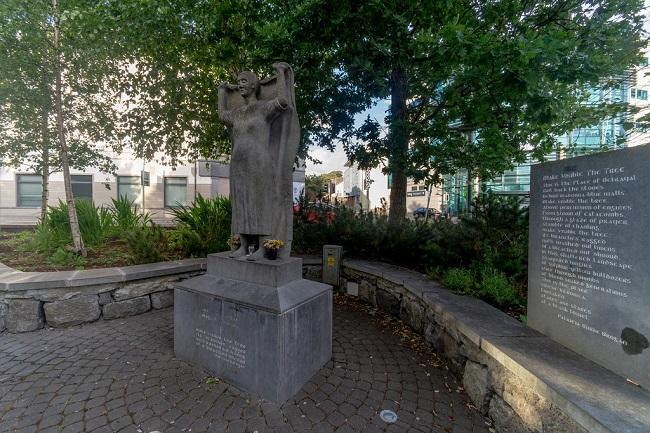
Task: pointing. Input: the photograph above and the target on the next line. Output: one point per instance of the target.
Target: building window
(29, 190)
(82, 186)
(129, 187)
(423, 188)
(414, 188)
(639, 94)
(175, 191)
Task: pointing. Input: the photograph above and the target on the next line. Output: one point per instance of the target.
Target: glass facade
(129, 187)
(515, 181)
(454, 194)
(29, 189)
(82, 186)
(607, 135)
(175, 191)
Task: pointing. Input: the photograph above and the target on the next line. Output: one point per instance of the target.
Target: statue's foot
(241, 251)
(257, 255)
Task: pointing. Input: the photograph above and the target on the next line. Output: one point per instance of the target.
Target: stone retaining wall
(32, 300)
(521, 379)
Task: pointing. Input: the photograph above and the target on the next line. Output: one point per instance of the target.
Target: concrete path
(121, 376)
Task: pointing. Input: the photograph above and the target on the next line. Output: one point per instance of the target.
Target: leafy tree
(315, 187)
(333, 175)
(52, 107)
(316, 184)
(169, 84)
(191, 47)
(473, 85)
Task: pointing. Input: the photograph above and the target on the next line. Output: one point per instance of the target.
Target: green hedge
(490, 246)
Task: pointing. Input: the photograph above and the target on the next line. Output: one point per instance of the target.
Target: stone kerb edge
(69, 298)
(15, 280)
(470, 333)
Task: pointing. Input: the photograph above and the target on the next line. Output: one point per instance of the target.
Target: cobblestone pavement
(121, 376)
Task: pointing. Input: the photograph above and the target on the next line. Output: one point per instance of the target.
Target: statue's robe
(265, 138)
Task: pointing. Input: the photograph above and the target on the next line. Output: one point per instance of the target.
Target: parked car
(421, 212)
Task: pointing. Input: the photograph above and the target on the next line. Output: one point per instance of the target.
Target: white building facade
(21, 189)
(363, 189)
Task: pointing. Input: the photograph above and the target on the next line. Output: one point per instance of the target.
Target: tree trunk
(399, 146)
(470, 192)
(429, 190)
(63, 147)
(45, 174)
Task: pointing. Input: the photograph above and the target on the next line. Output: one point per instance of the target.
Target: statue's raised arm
(283, 92)
(226, 102)
(265, 134)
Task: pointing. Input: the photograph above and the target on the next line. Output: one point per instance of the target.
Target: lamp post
(366, 185)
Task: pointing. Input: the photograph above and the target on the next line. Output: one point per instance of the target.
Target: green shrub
(484, 254)
(57, 217)
(147, 244)
(126, 216)
(497, 230)
(186, 241)
(95, 224)
(44, 240)
(459, 280)
(203, 227)
(363, 234)
(62, 257)
(499, 226)
(496, 287)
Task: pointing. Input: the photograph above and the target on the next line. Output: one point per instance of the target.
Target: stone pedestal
(257, 325)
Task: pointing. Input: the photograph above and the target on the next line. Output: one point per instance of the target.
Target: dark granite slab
(258, 325)
(270, 349)
(268, 298)
(268, 272)
(589, 266)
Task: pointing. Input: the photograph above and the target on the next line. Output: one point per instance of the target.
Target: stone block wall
(107, 302)
(31, 301)
(522, 380)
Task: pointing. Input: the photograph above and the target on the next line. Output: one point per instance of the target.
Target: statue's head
(248, 83)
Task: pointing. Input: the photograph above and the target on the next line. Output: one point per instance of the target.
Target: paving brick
(121, 376)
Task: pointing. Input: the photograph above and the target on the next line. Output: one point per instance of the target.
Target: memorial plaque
(589, 258)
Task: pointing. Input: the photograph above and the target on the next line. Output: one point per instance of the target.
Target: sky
(336, 160)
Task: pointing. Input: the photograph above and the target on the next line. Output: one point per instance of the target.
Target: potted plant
(271, 248)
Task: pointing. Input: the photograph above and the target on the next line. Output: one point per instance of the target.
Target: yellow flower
(234, 241)
(273, 244)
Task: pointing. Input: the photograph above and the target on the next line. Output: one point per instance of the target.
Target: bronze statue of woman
(265, 134)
